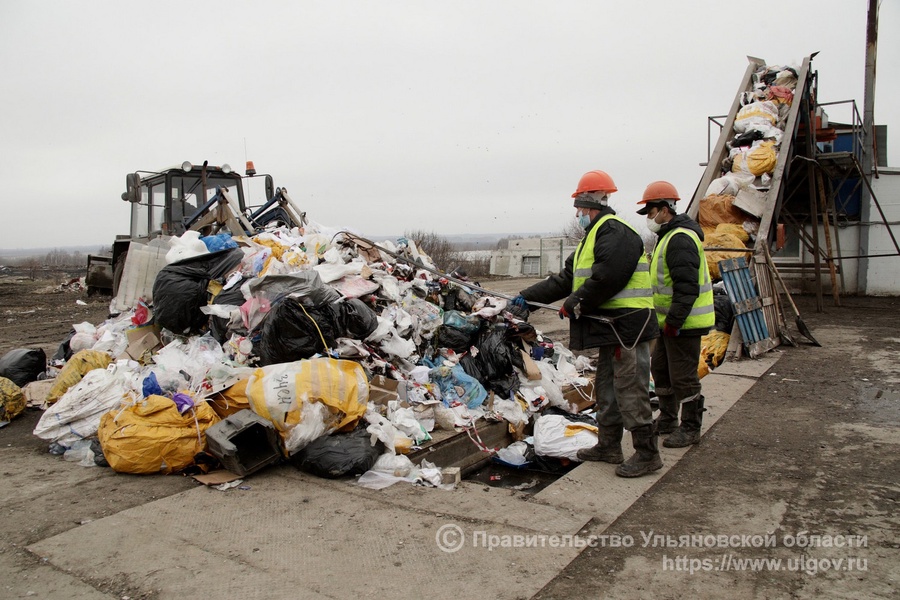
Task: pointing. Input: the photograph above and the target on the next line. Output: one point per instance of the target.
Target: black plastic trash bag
(357, 320)
(724, 312)
(493, 365)
(294, 331)
(180, 289)
(454, 338)
(64, 350)
(218, 326)
(23, 365)
(339, 454)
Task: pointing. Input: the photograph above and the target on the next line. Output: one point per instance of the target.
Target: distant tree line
(447, 256)
(57, 258)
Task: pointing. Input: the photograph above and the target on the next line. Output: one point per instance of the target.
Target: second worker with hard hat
(683, 298)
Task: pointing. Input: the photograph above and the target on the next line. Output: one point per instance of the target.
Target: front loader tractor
(209, 199)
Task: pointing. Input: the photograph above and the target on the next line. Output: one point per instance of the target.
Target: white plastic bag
(382, 429)
(81, 453)
(76, 415)
(514, 454)
(186, 246)
(756, 115)
(397, 465)
(404, 419)
(556, 436)
(511, 411)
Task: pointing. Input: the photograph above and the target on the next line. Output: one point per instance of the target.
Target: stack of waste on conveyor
(727, 213)
(313, 346)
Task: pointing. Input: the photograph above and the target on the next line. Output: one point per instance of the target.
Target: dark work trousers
(623, 386)
(674, 367)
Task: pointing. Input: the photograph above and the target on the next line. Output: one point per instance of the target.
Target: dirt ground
(813, 447)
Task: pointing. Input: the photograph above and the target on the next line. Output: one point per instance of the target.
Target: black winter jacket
(617, 250)
(683, 261)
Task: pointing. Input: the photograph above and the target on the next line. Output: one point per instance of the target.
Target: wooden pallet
(748, 307)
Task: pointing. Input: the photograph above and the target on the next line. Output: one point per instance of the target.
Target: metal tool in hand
(448, 277)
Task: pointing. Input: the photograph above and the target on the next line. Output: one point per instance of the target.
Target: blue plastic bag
(151, 386)
(222, 241)
(452, 380)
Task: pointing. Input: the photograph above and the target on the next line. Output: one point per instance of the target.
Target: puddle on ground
(529, 480)
(879, 402)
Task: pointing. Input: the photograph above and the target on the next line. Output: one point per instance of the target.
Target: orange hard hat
(595, 181)
(660, 190)
(658, 193)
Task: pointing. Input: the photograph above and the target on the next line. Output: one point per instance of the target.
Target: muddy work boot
(688, 433)
(608, 449)
(667, 421)
(646, 454)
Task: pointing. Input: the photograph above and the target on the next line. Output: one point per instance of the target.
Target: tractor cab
(208, 199)
(173, 200)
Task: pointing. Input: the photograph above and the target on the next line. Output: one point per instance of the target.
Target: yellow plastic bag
(712, 351)
(309, 398)
(721, 240)
(715, 209)
(74, 369)
(230, 400)
(12, 400)
(734, 229)
(153, 437)
(762, 159)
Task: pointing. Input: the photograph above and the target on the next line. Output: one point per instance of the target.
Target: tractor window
(158, 209)
(140, 215)
(187, 191)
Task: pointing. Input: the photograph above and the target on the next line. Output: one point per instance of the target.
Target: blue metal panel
(848, 197)
(745, 299)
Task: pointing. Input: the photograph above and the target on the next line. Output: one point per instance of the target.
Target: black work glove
(570, 308)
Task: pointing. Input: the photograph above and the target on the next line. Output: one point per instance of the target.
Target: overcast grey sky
(452, 117)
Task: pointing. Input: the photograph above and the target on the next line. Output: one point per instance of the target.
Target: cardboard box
(581, 397)
(532, 372)
(142, 339)
(382, 390)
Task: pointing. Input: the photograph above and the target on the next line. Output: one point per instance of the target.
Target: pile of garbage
(315, 346)
(728, 213)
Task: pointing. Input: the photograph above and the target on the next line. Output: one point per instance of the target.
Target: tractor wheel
(117, 273)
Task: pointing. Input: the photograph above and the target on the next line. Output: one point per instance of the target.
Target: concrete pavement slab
(595, 488)
(292, 535)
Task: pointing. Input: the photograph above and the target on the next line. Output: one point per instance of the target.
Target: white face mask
(652, 225)
(584, 219)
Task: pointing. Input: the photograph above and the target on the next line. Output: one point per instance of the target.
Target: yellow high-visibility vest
(638, 293)
(703, 313)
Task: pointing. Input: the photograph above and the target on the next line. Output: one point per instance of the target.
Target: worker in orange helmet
(609, 304)
(683, 298)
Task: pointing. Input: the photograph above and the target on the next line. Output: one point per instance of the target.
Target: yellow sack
(712, 351)
(309, 398)
(734, 229)
(230, 400)
(74, 369)
(762, 159)
(12, 400)
(153, 437)
(715, 209)
(721, 240)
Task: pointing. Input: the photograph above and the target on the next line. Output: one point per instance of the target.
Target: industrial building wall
(531, 261)
(884, 273)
